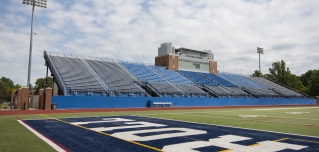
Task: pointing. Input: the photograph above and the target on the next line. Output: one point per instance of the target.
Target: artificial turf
(15, 137)
(296, 120)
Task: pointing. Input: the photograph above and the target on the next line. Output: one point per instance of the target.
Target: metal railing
(94, 58)
(104, 93)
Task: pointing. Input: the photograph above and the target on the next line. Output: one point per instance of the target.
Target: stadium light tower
(260, 51)
(33, 3)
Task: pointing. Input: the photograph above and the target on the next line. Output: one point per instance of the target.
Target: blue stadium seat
(171, 76)
(219, 80)
(197, 78)
(143, 73)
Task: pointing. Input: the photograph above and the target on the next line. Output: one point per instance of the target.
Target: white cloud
(133, 30)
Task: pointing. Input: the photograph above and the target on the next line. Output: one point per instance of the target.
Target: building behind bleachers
(185, 59)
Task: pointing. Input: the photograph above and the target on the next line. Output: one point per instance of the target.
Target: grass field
(293, 120)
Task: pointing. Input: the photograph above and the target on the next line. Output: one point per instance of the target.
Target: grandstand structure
(115, 81)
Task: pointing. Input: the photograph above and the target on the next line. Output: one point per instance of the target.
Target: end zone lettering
(140, 131)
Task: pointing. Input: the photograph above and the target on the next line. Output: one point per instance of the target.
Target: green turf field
(294, 120)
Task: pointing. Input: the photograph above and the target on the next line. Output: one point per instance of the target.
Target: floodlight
(260, 51)
(34, 3)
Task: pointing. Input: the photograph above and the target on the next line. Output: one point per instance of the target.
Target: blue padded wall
(69, 102)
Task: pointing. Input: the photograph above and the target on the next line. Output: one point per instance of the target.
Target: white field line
(52, 144)
(243, 112)
(288, 115)
(229, 126)
(270, 116)
(243, 118)
(288, 108)
(237, 114)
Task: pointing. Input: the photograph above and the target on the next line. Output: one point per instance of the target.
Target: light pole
(33, 3)
(260, 51)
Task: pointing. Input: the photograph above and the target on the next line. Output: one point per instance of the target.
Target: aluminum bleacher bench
(163, 104)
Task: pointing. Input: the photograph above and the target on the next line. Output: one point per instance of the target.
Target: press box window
(196, 66)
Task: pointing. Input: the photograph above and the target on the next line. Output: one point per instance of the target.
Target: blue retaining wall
(68, 102)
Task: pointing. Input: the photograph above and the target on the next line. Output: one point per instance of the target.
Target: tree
(257, 74)
(314, 84)
(280, 74)
(6, 88)
(39, 84)
(305, 78)
(295, 83)
(7, 81)
(3, 91)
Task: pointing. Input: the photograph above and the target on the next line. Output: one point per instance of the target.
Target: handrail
(94, 58)
(89, 91)
(55, 72)
(95, 75)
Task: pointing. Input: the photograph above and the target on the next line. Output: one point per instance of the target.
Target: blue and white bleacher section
(207, 84)
(276, 88)
(197, 78)
(153, 80)
(250, 86)
(192, 90)
(236, 92)
(218, 80)
(143, 73)
(189, 88)
(171, 76)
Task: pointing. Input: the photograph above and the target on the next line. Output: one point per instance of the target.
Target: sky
(132, 30)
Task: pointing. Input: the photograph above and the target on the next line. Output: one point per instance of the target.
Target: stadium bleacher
(197, 78)
(91, 82)
(171, 76)
(219, 91)
(152, 80)
(237, 92)
(76, 76)
(90, 77)
(143, 73)
(191, 90)
(188, 87)
(216, 85)
(276, 87)
(255, 89)
(116, 78)
(218, 80)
